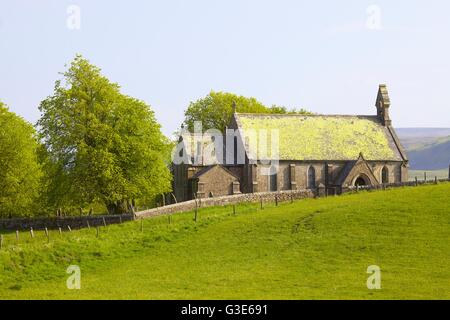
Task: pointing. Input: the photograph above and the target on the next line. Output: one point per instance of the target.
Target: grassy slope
(433, 156)
(310, 249)
(428, 148)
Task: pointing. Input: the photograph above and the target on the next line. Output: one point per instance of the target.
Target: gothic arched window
(385, 175)
(311, 178)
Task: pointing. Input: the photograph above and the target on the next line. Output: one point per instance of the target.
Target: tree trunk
(118, 207)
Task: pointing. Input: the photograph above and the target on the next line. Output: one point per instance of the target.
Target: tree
(100, 145)
(20, 172)
(216, 109)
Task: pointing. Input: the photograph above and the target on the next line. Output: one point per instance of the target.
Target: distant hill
(428, 148)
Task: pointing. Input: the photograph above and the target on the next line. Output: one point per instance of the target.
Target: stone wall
(75, 222)
(227, 200)
(394, 185)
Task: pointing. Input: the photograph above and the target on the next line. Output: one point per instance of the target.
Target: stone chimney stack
(383, 103)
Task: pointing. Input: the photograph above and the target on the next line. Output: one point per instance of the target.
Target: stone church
(331, 152)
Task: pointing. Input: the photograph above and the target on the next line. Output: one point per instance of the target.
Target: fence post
(98, 231)
(47, 234)
(60, 231)
(425, 176)
(31, 233)
(234, 209)
(1, 241)
(104, 221)
(170, 218)
(17, 236)
(261, 201)
(276, 200)
(292, 198)
(196, 211)
(88, 224)
(69, 228)
(435, 180)
(417, 182)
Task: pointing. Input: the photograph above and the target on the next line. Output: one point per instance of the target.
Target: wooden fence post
(88, 224)
(98, 231)
(435, 180)
(47, 234)
(170, 218)
(276, 200)
(31, 233)
(196, 211)
(417, 182)
(60, 231)
(17, 236)
(1, 241)
(425, 176)
(69, 228)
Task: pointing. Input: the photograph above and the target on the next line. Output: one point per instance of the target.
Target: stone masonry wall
(75, 222)
(227, 200)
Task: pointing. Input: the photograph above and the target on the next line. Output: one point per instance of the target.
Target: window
(385, 175)
(311, 178)
(273, 179)
(273, 182)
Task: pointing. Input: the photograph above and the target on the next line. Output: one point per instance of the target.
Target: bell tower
(383, 103)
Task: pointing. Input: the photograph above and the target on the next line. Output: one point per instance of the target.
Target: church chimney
(383, 103)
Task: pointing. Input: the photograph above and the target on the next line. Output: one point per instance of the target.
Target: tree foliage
(20, 172)
(100, 145)
(216, 109)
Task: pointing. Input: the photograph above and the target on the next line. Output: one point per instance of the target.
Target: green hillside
(431, 156)
(311, 249)
(427, 148)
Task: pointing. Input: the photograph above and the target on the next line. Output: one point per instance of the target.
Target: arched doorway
(361, 180)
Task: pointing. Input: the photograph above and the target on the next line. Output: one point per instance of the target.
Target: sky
(325, 56)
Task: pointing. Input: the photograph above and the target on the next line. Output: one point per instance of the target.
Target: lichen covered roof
(320, 137)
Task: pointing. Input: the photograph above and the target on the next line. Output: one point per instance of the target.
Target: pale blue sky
(314, 54)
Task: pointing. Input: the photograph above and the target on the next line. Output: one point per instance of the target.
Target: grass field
(311, 249)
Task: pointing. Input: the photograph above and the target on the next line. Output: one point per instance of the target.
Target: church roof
(321, 137)
(216, 167)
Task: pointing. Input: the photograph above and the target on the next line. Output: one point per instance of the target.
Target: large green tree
(101, 145)
(216, 109)
(20, 172)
